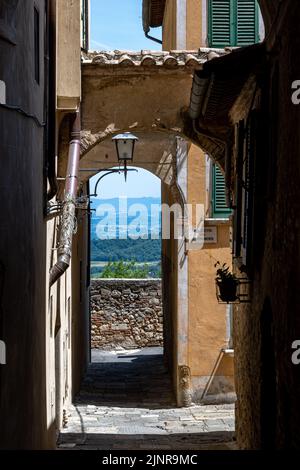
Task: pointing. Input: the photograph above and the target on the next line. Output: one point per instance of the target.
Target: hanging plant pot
(230, 288)
(227, 290)
(227, 284)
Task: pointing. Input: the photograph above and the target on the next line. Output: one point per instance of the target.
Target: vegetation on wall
(126, 269)
(119, 269)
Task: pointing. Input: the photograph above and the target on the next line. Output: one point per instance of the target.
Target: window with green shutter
(232, 23)
(85, 5)
(219, 206)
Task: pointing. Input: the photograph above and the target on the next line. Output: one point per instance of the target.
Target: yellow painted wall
(169, 26)
(194, 31)
(207, 329)
(68, 57)
(207, 319)
(194, 24)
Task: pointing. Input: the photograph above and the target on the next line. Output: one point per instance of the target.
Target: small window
(247, 192)
(244, 203)
(220, 210)
(85, 25)
(237, 220)
(36, 45)
(233, 23)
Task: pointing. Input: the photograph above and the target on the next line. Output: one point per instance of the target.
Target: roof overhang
(222, 92)
(153, 14)
(150, 60)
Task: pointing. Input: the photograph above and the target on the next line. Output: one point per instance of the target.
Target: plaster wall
(194, 27)
(68, 39)
(35, 323)
(182, 25)
(169, 32)
(59, 343)
(66, 306)
(169, 295)
(67, 324)
(207, 319)
(206, 331)
(80, 319)
(23, 241)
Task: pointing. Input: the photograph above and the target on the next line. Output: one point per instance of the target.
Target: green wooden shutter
(232, 23)
(219, 206)
(85, 25)
(247, 23)
(220, 23)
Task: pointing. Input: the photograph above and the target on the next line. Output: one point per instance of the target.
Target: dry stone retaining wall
(126, 313)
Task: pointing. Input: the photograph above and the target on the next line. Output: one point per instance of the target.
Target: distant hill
(116, 202)
(139, 250)
(124, 214)
(116, 249)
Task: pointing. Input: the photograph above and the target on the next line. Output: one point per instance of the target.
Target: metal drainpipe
(152, 38)
(146, 20)
(67, 224)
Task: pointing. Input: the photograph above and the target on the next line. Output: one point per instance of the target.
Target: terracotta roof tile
(167, 59)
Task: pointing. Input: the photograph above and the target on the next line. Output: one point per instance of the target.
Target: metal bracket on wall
(242, 294)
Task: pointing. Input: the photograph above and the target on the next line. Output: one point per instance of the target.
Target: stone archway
(148, 94)
(141, 92)
(166, 158)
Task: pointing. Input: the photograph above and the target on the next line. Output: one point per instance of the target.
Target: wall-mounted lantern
(125, 148)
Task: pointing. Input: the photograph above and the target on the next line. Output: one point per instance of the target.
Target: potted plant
(227, 283)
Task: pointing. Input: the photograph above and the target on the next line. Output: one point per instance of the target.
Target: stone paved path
(126, 403)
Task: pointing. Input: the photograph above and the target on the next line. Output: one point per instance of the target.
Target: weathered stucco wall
(80, 320)
(35, 322)
(66, 307)
(22, 242)
(176, 25)
(208, 326)
(194, 10)
(126, 313)
(169, 291)
(169, 26)
(207, 330)
(68, 38)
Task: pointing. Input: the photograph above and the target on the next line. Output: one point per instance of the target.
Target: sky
(140, 184)
(117, 24)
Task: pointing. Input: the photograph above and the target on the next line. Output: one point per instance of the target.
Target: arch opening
(128, 303)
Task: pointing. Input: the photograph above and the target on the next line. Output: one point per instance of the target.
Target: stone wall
(126, 313)
(268, 383)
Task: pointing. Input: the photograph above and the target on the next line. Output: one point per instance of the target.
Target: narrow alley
(149, 227)
(126, 403)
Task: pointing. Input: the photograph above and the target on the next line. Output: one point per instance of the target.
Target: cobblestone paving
(126, 403)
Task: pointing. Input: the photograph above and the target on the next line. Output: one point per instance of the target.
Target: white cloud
(97, 45)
